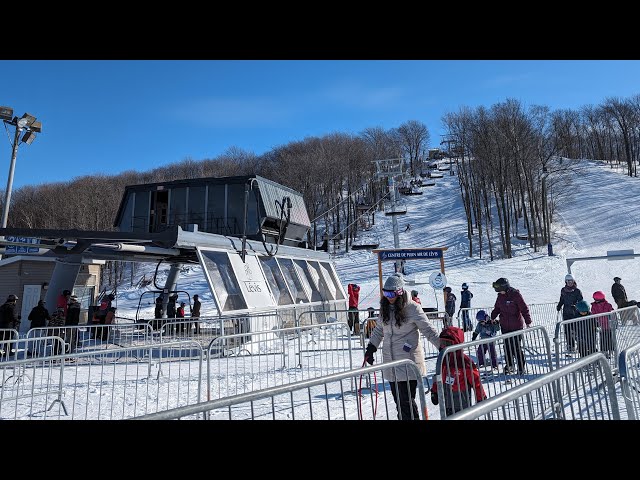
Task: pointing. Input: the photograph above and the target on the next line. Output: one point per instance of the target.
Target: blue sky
(107, 116)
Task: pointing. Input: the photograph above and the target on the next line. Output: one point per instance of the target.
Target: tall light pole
(27, 123)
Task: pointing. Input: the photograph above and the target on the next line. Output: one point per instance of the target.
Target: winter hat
(615, 279)
(569, 278)
(465, 286)
(393, 283)
(447, 289)
(481, 316)
(582, 306)
(598, 296)
(414, 293)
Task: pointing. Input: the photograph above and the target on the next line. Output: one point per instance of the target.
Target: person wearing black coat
(38, 318)
(570, 295)
(619, 294)
(73, 319)
(8, 320)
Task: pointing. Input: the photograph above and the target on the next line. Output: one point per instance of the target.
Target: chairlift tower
(389, 169)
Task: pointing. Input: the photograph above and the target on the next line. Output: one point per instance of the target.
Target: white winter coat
(395, 337)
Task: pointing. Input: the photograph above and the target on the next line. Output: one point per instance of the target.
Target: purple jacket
(512, 310)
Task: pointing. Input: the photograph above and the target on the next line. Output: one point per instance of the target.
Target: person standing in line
(38, 318)
(414, 297)
(586, 330)
(56, 329)
(460, 376)
(9, 320)
(514, 314)
(619, 294)
(73, 320)
(195, 312)
(486, 328)
(353, 316)
(449, 304)
(600, 306)
(171, 306)
(570, 295)
(180, 315)
(63, 301)
(465, 303)
(400, 324)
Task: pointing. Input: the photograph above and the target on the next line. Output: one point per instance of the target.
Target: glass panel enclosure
(293, 282)
(327, 289)
(223, 280)
(276, 280)
(331, 277)
(127, 214)
(309, 278)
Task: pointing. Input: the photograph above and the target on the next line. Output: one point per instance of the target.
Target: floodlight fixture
(6, 113)
(29, 119)
(29, 137)
(36, 127)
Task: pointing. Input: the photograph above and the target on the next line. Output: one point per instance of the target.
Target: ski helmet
(598, 295)
(615, 279)
(582, 307)
(481, 316)
(414, 293)
(447, 289)
(569, 278)
(501, 285)
(465, 286)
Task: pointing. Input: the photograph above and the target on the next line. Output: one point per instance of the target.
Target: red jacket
(459, 375)
(354, 295)
(62, 303)
(512, 310)
(602, 307)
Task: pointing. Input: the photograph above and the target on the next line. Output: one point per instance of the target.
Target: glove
(368, 355)
(434, 398)
(474, 336)
(558, 308)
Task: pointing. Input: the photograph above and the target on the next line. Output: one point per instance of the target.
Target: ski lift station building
(248, 233)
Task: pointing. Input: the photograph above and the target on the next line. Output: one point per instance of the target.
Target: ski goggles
(393, 293)
(499, 287)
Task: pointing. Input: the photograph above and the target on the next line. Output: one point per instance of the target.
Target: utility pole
(390, 168)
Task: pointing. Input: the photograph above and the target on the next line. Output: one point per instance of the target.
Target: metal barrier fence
(103, 384)
(27, 384)
(524, 356)
(8, 334)
(583, 390)
(331, 397)
(276, 357)
(84, 338)
(542, 314)
(609, 333)
(205, 329)
(630, 380)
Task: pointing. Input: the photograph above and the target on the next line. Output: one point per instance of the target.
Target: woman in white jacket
(400, 323)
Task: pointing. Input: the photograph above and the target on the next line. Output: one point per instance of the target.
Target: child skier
(585, 330)
(486, 328)
(601, 306)
(465, 302)
(459, 375)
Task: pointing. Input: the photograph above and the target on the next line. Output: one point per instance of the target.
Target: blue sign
(21, 249)
(409, 254)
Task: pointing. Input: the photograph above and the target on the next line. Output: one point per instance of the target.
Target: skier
(600, 306)
(450, 304)
(570, 295)
(465, 303)
(353, 315)
(486, 328)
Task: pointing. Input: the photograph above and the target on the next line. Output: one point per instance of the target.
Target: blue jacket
(487, 329)
(465, 299)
